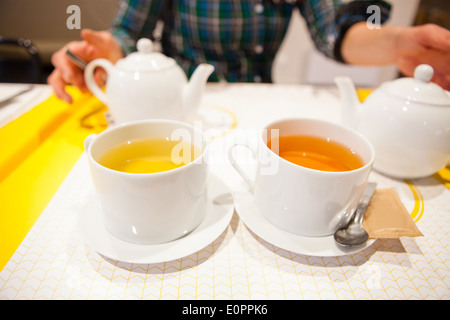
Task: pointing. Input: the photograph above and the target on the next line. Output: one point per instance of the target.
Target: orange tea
(149, 155)
(317, 153)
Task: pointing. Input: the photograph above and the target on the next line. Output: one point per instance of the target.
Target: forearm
(365, 46)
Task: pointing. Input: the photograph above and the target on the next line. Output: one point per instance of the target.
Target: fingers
(66, 72)
(441, 69)
(59, 86)
(426, 44)
(434, 37)
(93, 37)
(436, 41)
(70, 72)
(102, 44)
(443, 80)
(100, 77)
(95, 44)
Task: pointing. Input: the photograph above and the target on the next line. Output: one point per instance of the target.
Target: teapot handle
(89, 77)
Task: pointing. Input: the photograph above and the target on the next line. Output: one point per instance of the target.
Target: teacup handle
(250, 182)
(89, 77)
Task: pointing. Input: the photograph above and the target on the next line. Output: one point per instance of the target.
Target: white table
(54, 262)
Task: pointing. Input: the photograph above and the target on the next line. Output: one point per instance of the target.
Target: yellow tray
(38, 150)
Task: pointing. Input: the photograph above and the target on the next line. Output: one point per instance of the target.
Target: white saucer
(218, 216)
(311, 246)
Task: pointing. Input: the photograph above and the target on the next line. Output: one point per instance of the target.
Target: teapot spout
(194, 89)
(349, 101)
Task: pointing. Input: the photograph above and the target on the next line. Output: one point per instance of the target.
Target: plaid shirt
(239, 37)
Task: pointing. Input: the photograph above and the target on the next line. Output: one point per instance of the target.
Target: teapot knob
(423, 72)
(145, 45)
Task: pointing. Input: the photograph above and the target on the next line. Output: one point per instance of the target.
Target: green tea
(149, 155)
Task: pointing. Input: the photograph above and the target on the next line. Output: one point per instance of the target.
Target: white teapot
(407, 120)
(148, 84)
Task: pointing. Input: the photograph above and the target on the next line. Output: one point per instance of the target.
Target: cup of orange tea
(151, 178)
(310, 174)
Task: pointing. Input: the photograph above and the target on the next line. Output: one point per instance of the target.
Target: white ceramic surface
(311, 246)
(154, 207)
(304, 201)
(408, 122)
(148, 85)
(219, 212)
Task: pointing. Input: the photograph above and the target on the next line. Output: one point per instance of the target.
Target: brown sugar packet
(386, 217)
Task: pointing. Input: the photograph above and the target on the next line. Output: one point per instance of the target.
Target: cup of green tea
(151, 178)
(310, 175)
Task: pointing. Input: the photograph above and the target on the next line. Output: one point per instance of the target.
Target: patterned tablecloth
(55, 262)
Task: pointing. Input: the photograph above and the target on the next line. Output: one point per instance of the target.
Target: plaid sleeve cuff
(127, 44)
(354, 12)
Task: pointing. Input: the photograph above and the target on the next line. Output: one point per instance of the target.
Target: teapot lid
(418, 89)
(145, 59)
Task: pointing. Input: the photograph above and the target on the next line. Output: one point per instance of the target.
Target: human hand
(429, 44)
(95, 44)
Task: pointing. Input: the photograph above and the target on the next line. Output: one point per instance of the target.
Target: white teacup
(301, 200)
(150, 208)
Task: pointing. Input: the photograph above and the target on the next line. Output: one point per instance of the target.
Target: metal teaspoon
(354, 234)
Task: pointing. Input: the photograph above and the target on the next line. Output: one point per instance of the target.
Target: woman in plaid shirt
(241, 37)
